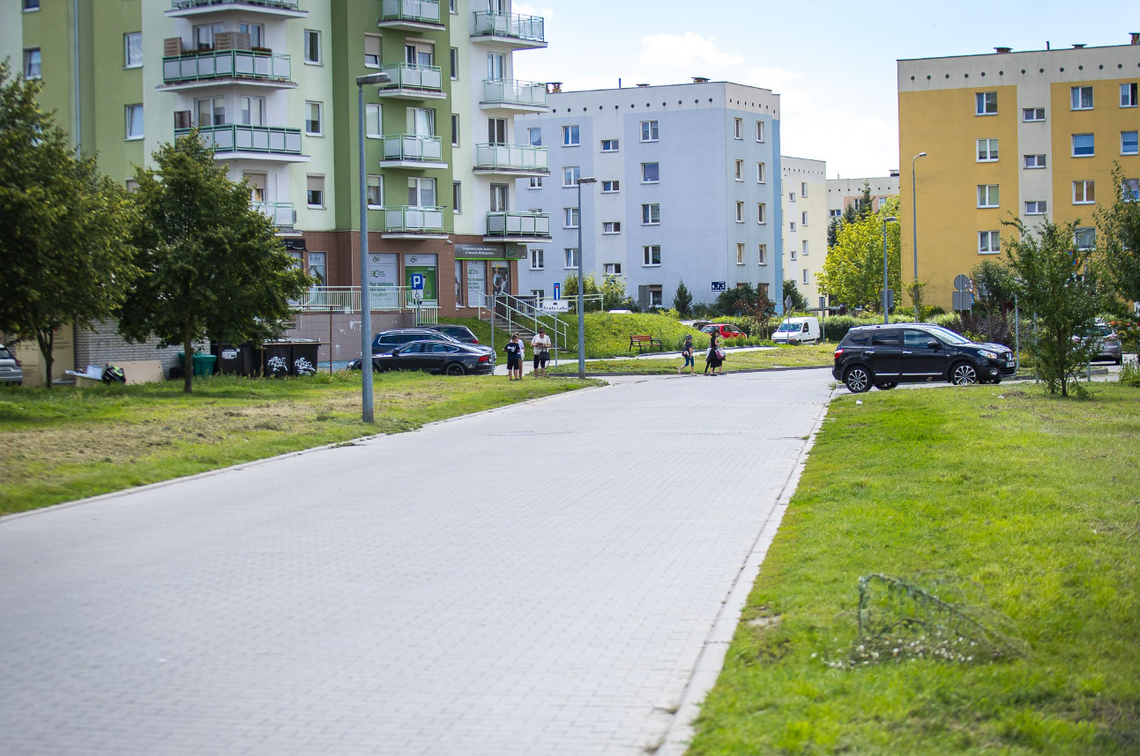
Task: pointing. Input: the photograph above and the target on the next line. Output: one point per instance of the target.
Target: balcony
(213, 68)
(233, 141)
(410, 15)
(275, 8)
(510, 29)
(412, 151)
(516, 96)
(413, 222)
(517, 226)
(413, 82)
(511, 160)
(281, 213)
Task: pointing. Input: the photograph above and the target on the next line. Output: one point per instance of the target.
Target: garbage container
(203, 363)
(304, 357)
(277, 357)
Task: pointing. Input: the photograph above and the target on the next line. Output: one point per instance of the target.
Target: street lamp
(365, 301)
(581, 300)
(914, 229)
(886, 283)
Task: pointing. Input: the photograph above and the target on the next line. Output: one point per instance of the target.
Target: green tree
(64, 227)
(1059, 284)
(853, 268)
(993, 287)
(212, 265)
(682, 299)
(1118, 248)
(799, 304)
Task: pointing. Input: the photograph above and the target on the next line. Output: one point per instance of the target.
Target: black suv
(884, 356)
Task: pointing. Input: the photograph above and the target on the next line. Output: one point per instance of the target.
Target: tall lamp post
(886, 269)
(914, 228)
(581, 298)
(366, 413)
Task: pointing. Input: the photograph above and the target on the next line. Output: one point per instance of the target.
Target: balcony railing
(423, 149)
(281, 213)
(512, 157)
(275, 4)
(510, 92)
(407, 76)
(232, 137)
(498, 24)
(514, 223)
(226, 64)
(424, 11)
(413, 219)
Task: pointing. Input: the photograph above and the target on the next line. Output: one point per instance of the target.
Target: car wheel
(886, 386)
(454, 369)
(963, 374)
(857, 380)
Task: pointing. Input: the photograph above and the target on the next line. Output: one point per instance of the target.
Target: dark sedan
(440, 357)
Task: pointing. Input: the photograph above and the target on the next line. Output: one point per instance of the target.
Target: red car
(726, 330)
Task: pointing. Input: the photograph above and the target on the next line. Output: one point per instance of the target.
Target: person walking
(687, 353)
(514, 358)
(713, 358)
(541, 346)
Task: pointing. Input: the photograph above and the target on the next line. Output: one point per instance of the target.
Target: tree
(1118, 248)
(1059, 284)
(682, 299)
(853, 268)
(64, 227)
(212, 265)
(799, 304)
(993, 287)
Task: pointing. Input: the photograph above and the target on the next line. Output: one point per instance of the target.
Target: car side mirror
(934, 344)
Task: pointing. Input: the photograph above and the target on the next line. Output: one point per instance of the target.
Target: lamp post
(914, 228)
(366, 413)
(581, 289)
(886, 269)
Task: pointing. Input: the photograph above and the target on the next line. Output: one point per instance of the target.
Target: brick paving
(539, 579)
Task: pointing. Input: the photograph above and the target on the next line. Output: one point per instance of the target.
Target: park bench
(642, 341)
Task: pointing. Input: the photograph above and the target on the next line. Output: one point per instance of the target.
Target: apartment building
(1024, 135)
(688, 188)
(847, 192)
(804, 200)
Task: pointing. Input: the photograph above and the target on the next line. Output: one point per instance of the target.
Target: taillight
(485, 358)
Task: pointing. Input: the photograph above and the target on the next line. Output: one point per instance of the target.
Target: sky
(832, 63)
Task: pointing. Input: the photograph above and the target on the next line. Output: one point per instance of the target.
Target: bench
(642, 341)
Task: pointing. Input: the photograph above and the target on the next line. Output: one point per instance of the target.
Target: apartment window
(612, 269)
(570, 137)
(987, 195)
(454, 129)
(32, 63)
(497, 130)
(739, 170)
(609, 145)
(534, 136)
(759, 131)
(611, 227)
(761, 212)
(1081, 98)
(313, 118)
(987, 150)
(1128, 143)
(759, 173)
(649, 131)
(371, 51)
(651, 255)
(739, 254)
(454, 61)
(1128, 95)
(985, 103)
(569, 217)
(1030, 115)
(803, 218)
(1034, 161)
(804, 248)
(537, 261)
(739, 212)
(421, 192)
(535, 182)
(1036, 207)
(989, 242)
(132, 50)
(375, 191)
(31, 5)
(571, 257)
(805, 279)
(134, 122)
(650, 214)
(1130, 191)
(372, 121)
(312, 47)
(457, 196)
(650, 173)
(1084, 192)
(737, 128)
(315, 191)
(1083, 145)
(611, 187)
(1085, 238)
(762, 254)
(570, 175)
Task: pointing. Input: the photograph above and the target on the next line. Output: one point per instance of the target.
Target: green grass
(70, 443)
(1024, 506)
(798, 356)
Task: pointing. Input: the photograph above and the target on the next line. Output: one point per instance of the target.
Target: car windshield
(948, 336)
(787, 325)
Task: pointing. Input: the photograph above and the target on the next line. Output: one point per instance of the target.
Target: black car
(435, 356)
(884, 356)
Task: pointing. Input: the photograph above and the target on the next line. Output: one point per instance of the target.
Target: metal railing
(224, 64)
(427, 149)
(231, 136)
(511, 92)
(413, 219)
(519, 157)
(279, 4)
(407, 76)
(381, 298)
(516, 223)
(281, 213)
(515, 25)
(426, 11)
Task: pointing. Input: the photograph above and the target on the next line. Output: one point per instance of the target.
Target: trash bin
(304, 357)
(277, 357)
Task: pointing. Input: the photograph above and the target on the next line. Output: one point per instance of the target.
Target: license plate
(1010, 363)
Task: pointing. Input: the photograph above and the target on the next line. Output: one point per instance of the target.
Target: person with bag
(687, 353)
(715, 357)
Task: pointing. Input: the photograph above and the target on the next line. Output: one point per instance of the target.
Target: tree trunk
(46, 342)
(188, 357)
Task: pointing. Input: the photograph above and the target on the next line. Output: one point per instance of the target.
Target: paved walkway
(540, 579)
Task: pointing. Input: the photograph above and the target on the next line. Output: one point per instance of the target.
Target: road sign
(718, 286)
(557, 290)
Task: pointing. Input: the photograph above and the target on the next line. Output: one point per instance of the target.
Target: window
(989, 242)
(312, 47)
(1128, 143)
(804, 248)
(534, 136)
(1083, 145)
(987, 195)
(315, 191)
(650, 173)
(454, 129)
(457, 196)
(570, 136)
(650, 214)
(454, 61)
(497, 130)
(985, 103)
(313, 118)
(1128, 95)
(761, 212)
(609, 145)
(569, 217)
(571, 256)
(649, 131)
(987, 150)
(537, 259)
(806, 282)
(1036, 207)
(1030, 115)
(611, 227)
(737, 128)
(611, 187)
(1034, 161)
(32, 63)
(759, 173)
(31, 5)
(134, 122)
(535, 182)
(759, 131)
(739, 170)
(803, 218)
(371, 51)
(375, 186)
(1130, 191)
(651, 255)
(739, 254)
(762, 254)
(1080, 98)
(1084, 192)
(739, 212)
(132, 50)
(372, 121)
(570, 175)
(612, 269)
(1085, 238)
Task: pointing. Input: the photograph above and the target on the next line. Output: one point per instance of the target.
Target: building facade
(804, 200)
(688, 188)
(1024, 135)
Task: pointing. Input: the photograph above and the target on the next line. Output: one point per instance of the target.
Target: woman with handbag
(715, 357)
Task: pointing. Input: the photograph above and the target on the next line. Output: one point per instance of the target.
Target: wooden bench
(642, 341)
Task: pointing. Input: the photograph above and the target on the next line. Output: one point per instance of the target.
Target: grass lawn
(798, 356)
(1022, 511)
(69, 443)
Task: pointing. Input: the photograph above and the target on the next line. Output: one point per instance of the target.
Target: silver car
(10, 370)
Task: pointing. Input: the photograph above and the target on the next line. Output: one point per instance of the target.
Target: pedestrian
(714, 358)
(687, 353)
(514, 358)
(541, 346)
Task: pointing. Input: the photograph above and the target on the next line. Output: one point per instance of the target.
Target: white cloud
(686, 49)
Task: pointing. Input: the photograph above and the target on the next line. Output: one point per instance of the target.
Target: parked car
(1108, 345)
(457, 332)
(803, 330)
(10, 369)
(435, 356)
(884, 356)
(726, 330)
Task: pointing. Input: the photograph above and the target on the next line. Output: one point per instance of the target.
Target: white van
(798, 331)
